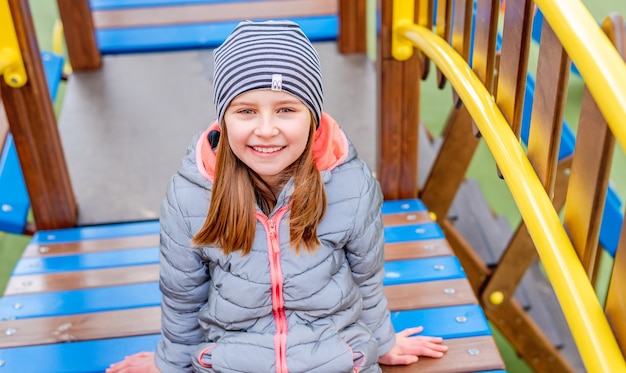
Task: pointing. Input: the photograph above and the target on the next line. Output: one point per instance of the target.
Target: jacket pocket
(202, 360)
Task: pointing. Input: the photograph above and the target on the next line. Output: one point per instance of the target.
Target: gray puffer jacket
(274, 310)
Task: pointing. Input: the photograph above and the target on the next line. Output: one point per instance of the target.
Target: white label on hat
(277, 82)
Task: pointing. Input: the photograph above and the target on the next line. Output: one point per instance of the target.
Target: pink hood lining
(330, 148)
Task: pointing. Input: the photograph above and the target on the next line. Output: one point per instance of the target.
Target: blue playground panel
(76, 357)
(196, 36)
(187, 36)
(81, 262)
(14, 199)
(96, 232)
(129, 4)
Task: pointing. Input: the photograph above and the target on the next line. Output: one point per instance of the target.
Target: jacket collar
(330, 148)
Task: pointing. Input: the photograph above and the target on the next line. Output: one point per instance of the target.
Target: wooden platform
(87, 297)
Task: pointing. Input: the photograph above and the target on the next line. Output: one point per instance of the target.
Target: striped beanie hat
(274, 55)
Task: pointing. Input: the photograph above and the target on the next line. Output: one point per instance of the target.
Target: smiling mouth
(267, 149)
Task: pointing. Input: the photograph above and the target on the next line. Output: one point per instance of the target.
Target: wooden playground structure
(479, 48)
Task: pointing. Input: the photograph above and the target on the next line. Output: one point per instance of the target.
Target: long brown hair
(230, 222)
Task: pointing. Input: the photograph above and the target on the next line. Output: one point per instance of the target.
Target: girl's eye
(285, 110)
(246, 111)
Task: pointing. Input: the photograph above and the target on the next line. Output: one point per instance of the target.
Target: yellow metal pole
(11, 63)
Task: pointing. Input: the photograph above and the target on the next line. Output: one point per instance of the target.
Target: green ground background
(482, 168)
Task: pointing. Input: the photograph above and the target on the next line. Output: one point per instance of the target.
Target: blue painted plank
(86, 261)
(71, 302)
(75, 357)
(194, 36)
(53, 69)
(127, 4)
(414, 232)
(96, 232)
(445, 322)
(89, 356)
(148, 294)
(402, 206)
(14, 200)
(420, 270)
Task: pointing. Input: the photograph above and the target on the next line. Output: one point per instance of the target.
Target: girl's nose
(266, 127)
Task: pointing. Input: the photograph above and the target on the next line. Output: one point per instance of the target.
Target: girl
(271, 231)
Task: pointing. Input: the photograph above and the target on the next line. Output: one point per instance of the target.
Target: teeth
(267, 150)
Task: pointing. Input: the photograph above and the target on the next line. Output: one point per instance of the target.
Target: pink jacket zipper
(276, 276)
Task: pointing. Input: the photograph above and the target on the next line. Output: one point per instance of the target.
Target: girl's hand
(407, 348)
(142, 362)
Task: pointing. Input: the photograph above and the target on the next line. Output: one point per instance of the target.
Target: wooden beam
(80, 37)
(33, 125)
(398, 116)
(352, 36)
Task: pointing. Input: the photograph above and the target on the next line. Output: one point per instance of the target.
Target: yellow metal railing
(11, 63)
(583, 312)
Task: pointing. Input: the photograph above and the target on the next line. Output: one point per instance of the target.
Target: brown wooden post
(80, 37)
(398, 116)
(352, 36)
(33, 126)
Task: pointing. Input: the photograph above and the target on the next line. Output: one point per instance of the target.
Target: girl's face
(268, 131)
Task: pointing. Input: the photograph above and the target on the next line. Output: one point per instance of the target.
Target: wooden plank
(418, 217)
(87, 326)
(616, 296)
(526, 337)
(589, 179)
(32, 121)
(80, 38)
(443, 27)
(29, 284)
(429, 294)
(90, 246)
(476, 354)
(485, 34)
(513, 64)
(352, 36)
(215, 12)
(546, 123)
(398, 128)
(4, 125)
(417, 249)
(451, 163)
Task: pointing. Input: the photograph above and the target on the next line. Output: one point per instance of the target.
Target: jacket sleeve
(184, 285)
(365, 253)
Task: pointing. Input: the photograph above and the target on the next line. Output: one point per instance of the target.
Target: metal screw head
(404, 206)
(18, 306)
(10, 331)
(439, 267)
(473, 351)
(27, 283)
(461, 319)
(51, 236)
(44, 249)
(449, 291)
(7, 208)
(429, 247)
(411, 217)
(420, 231)
(1, 363)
